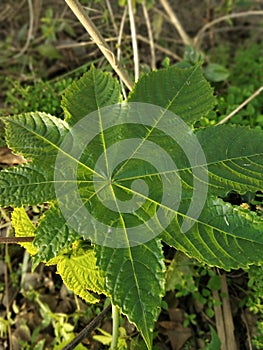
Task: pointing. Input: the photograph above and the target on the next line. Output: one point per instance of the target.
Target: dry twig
(112, 16)
(134, 42)
(199, 35)
(150, 34)
(30, 30)
(88, 329)
(12, 240)
(177, 24)
(84, 19)
(223, 316)
(235, 111)
(119, 46)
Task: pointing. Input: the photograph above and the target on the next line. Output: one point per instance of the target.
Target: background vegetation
(43, 50)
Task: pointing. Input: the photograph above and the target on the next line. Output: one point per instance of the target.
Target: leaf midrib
(138, 289)
(181, 214)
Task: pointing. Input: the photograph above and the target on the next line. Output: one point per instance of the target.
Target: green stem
(115, 327)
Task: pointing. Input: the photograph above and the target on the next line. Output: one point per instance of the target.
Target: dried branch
(150, 34)
(88, 329)
(84, 19)
(200, 33)
(119, 46)
(16, 240)
(30, 29)
(177, 24)
(235, 111)
(134, 42)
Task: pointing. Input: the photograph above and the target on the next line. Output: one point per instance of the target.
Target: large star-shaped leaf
(125, 175)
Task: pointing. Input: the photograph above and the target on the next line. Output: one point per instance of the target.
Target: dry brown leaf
(10, 159)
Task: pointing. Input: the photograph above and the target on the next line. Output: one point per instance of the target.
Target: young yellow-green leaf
(106, 338)
(91, 92)
(24, 228)
(134, 277)
(184, 91)
(81, 275)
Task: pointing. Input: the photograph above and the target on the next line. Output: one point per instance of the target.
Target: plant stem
(84, 19)
(24, 269)
(115, 327)
(8, 264)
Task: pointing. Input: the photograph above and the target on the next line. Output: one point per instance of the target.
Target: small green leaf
(49, 51)
(216, 72)
(106, 338)
(214, 283)
(192, 56)
(179, 275)
(215, 341)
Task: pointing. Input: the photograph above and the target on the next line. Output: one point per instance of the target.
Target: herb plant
(202, 225)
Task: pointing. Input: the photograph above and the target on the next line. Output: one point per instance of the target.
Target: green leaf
(134, 277)
(81, 275)
(32, 183)
(106, 338)
(215, 342)
(63, 344)
(52, 235)
(24, 228)
(216, 72)
(2, 135)
(164, 156)
(223, 236)
(179, 275)
(49, 51)
(234, 156)
(185, 92)
(37, 136)
(93, 91)
(214, 283)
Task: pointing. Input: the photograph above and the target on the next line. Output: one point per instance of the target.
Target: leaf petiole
(115, 327)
